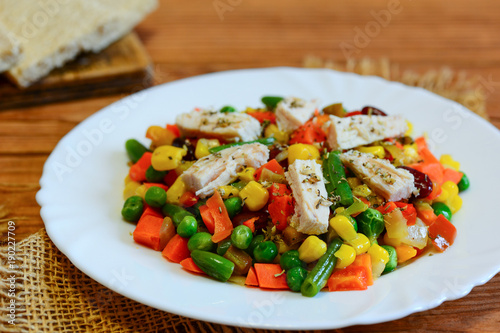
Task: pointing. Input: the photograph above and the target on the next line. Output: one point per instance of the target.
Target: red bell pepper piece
(273, 166)
(137, 171)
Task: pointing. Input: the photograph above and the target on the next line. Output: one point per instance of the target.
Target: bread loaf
(53, 32)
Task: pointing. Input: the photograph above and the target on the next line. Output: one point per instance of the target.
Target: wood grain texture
(186, 38)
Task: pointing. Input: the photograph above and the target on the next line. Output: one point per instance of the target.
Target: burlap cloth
(52, 295)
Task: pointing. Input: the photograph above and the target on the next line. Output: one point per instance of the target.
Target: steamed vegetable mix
(287, 197)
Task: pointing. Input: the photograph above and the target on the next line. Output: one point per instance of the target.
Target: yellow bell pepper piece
(377, 151)
(203, 145)
(312, 249)
(300, 151)
(273, 131)
(345, 256)
(343, 227)
(254, 195)
(167, 158)
(159, 136)
(353, 182)
(247, 174)
(175, 191)
(362, 191)
(228, 191)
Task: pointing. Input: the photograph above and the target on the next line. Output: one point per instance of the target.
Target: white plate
(81, 199)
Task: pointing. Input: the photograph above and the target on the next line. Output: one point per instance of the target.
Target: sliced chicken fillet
(293, 112)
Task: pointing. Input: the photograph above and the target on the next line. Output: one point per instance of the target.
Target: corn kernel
(345, 256)
(247, 174)
(203, 146)
(127, 179)
(300, 151)
(410, 128)
(378, 253)
(311, 249)
(273, 131)
(343, 227)
(377, 151)
(228, 191)
(254, 195)
(160, 136)
(130, 189)
(411, 153)
(361, 244)
(455, 204)
(175, 191)
(443, 197)
(183, 167)
(141, 191)
(167, 158)
(353, 182)
(451, 187)
(448, 162)
(362, 191)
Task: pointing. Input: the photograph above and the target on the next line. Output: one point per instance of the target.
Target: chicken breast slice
(351, 132)
(293, 112)
(219, 169)
(312, 209)
(233, 126)
(381, 176)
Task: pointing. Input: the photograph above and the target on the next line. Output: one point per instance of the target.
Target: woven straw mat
(52, 295)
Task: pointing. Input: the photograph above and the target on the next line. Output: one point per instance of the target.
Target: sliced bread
(10, 49)
(53, 32)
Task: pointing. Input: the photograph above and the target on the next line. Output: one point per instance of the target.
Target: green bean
(222, 246)
(135, 149)
(337, 187)
(213, 264)
(176, 213)
(318, 276)
(264, 141)
(132, 208)
(271, 102)
(201, 241)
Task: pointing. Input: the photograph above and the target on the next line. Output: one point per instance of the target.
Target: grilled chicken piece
(308, 188)
(219, 169)
(233, 126)
(292, 112)
(350, 132)
(380, 175)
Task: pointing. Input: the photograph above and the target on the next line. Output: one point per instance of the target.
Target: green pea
(265, 252)
(271, 101)
(233, 206)
(295, 277)
(155, 196)
(255, 241)
(132, 208)
(464, 183)
(187, 227)
(290, 259)
(241, 237)
(201, 241)
(443, 209)
(227, 109)
(393, 259)
(135, 149)
(371, 224)
(154, 176)
(222, 246)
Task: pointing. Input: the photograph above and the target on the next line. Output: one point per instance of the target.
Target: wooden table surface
(187, 38)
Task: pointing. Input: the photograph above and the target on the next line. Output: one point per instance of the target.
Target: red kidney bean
(422, 182)
(371, 111)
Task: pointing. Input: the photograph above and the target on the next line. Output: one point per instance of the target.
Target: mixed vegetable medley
(291, 196)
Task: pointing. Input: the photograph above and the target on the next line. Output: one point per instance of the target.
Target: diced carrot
(251, 279)
(170, 178)
(147, 231)
(263, 116)
(452, 175)
(222, 223)
(269, 276)
(251, 223)
(280, 208)
(188, 199)
(137, 171)
(409, 212)
(273, 166)
(405, 253)
(442, 233)
(162, 186)
(427, 156)
(189, 265)
(176, 249)
(207, 218)
(308, 133)
(174, 129)
(426, 215)
(349, 278)
(148, 210)
(364, 260)
(421, 143)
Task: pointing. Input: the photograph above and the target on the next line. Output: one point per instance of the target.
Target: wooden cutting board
(122, 67)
